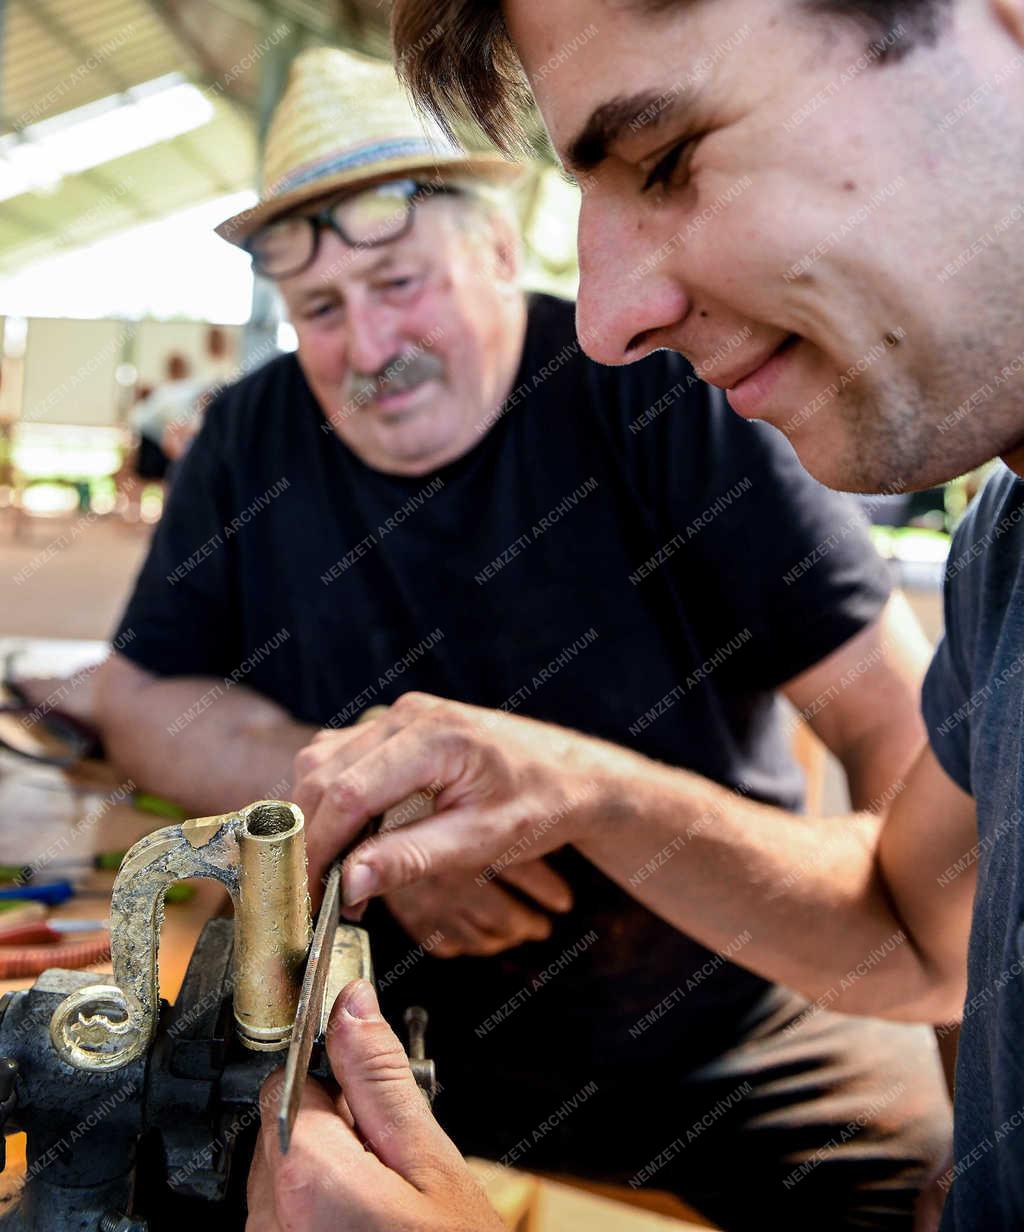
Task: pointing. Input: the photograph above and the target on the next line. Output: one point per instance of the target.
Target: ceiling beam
(201, 163)
(3, 33)
(27, 223)
(92, 175)
(55, 28)
(257, 12)
(210, 72)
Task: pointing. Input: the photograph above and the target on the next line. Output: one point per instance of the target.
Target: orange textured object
(17, 963)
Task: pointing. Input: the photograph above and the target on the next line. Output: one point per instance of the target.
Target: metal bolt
(422, 1069)
(416, 1021)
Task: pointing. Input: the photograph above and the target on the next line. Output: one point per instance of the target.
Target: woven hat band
(348, 160)
(343, 122)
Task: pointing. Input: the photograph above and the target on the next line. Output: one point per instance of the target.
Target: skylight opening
(46, 152)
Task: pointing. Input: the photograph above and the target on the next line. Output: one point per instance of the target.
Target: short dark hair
(457, 59)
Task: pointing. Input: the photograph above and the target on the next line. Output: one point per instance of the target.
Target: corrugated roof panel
(54, 85)
(62, 54)
(124, 32)
(213, 156)
(218, 158)
(94, 23)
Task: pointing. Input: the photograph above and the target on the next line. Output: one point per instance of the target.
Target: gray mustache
(398, 374)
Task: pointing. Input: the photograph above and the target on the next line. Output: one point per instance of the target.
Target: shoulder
(249, 431)
(981, 584)
(259, 399)
(987, 552)
(995, 513)
(990, 538)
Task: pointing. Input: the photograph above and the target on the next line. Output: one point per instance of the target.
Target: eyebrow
(612, 121)
(324, 285)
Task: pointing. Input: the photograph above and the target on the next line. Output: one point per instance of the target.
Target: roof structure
(116, 112)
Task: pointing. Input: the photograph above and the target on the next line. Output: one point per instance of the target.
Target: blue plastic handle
(52, 893)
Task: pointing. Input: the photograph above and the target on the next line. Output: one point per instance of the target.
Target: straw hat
(343, 121)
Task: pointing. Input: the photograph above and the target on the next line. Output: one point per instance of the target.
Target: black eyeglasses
(366, 219)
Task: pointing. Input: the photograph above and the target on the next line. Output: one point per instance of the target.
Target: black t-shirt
(620, 554)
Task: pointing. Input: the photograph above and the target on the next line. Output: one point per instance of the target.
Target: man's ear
(507, 247)
(1011, 14)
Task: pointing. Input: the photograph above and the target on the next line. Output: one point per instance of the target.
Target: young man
(843, 180)
(439, 491)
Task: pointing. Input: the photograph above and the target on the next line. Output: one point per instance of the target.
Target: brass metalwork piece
(106, 1026)
(272, 925)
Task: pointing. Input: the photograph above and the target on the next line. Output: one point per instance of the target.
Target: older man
(874, 254)
(439, 492)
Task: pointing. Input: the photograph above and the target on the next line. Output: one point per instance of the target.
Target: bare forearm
(797, 899)
(204, 747)
(860, 912)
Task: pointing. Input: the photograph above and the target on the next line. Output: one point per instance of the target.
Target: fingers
(486, 929)
(412, 1176)
(316, 1109)
(502, 919)
(444, 935)
(392, 1115)
(332, 751)
(386, 775)
(338, 748)
(328, 755)
(455, 840)
(259, 1196)
(427, 747)
(296, 1190)
(327, 744)
(537, 879)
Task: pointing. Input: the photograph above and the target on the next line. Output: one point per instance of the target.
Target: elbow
(927, 994)
(942, 1000)
(895, 977)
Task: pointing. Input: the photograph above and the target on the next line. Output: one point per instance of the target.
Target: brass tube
(272, 923)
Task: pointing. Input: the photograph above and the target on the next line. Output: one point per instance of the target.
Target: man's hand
(408, 1177)
(454, 913)
(504, 788)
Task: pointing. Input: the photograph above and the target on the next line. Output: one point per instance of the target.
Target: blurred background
(129, 128)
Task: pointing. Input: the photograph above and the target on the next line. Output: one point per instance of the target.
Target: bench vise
(139, 1116)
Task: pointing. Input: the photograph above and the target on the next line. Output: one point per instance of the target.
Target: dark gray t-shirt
(974, 708)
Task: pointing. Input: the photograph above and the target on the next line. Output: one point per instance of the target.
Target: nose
(631, 288)
(374, 336)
